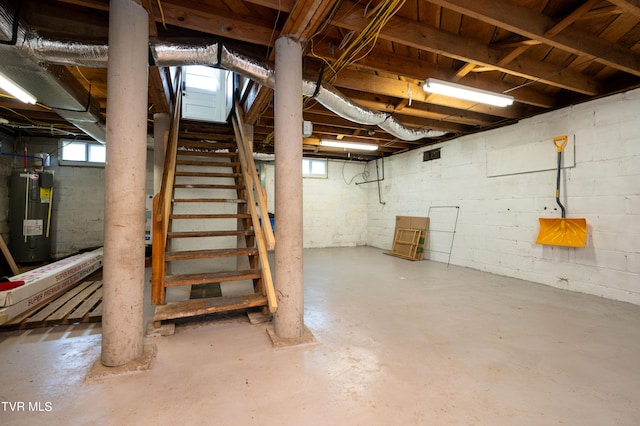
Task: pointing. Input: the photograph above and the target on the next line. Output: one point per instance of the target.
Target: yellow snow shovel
(562, 232)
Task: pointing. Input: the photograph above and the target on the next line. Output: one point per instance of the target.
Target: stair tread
(209, 200)
(211, 277)
(211, 216)
(182, 142)
(207, 163)
(194, 234)
(213, 154)
(208, 174)
(207, 186)
(194, 307)
(211, 253)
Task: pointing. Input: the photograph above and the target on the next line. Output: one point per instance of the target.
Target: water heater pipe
(26, 204)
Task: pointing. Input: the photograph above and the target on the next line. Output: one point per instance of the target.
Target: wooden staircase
(207, 229)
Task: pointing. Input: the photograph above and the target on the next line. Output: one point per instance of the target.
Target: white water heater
(31, 197)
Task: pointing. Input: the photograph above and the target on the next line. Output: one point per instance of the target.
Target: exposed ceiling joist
(546, 54)
(521, 20)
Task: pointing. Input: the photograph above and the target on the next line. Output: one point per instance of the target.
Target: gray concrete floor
(399, 343)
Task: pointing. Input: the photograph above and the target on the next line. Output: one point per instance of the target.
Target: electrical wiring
(82, 75)
(164, 23)
(40, 125)
(57, 131)
(273, 30)
(364, 174)
(365, 41)
(41, 105)
(380, 16)
(17, 113)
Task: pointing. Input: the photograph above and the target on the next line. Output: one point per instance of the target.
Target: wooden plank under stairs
(189, 308)
(80, 304)
(211, 277)
(209, 200)
(214, 154)
(184, 143)
(209, 254)
(208, 174)
(210, 216)
(207, 163)
(197, 234)
(206, 186)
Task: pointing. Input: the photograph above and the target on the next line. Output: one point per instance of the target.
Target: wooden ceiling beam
(390, 87)
(281, 5)
(421, 110)
(93, 4)
(157, 85)
(512, 55)
(425, 37)
(629, 6)
(258, 104)
(211, 20)
(409, 116)
(600, 12)
(306, 17)
(420, 70)
(571, 18)
(521, 20)
(463, 71)
(430, 111)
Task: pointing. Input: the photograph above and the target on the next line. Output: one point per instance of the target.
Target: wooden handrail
(171, 153)
(261, 227)
(162, 200)
(255, 180)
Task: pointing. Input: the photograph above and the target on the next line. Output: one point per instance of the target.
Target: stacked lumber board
(80, 304)
(47, 282)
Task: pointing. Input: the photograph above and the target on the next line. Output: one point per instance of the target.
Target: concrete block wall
(334, 209)
(6, 167)
(79, 209)
(498, 215)
(77, 217)
(77, 220)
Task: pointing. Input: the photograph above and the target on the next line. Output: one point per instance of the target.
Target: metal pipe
(378, 180)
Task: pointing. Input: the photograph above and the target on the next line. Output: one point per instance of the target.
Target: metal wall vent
(432, 154)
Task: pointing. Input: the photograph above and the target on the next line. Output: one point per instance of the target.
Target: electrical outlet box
(307, 129)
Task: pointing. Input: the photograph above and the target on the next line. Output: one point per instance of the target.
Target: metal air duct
(52, 85)
(31, 50)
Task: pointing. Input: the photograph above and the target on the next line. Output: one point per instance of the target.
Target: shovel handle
(562, 140)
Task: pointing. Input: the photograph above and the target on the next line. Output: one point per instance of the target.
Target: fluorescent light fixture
(15, 90)
(349, 145)
(464, 92)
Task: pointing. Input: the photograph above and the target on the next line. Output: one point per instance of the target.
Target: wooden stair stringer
(206, 171)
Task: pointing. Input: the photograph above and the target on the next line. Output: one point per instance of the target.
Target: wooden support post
(7, 255)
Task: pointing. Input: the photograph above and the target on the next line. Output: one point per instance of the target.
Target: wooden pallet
(82, 303)
(406, 243)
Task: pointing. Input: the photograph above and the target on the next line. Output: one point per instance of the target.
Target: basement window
(314, 167)
(82, 153)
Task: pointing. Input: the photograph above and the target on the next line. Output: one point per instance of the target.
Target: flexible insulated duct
(35, 49)
(21, 53)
